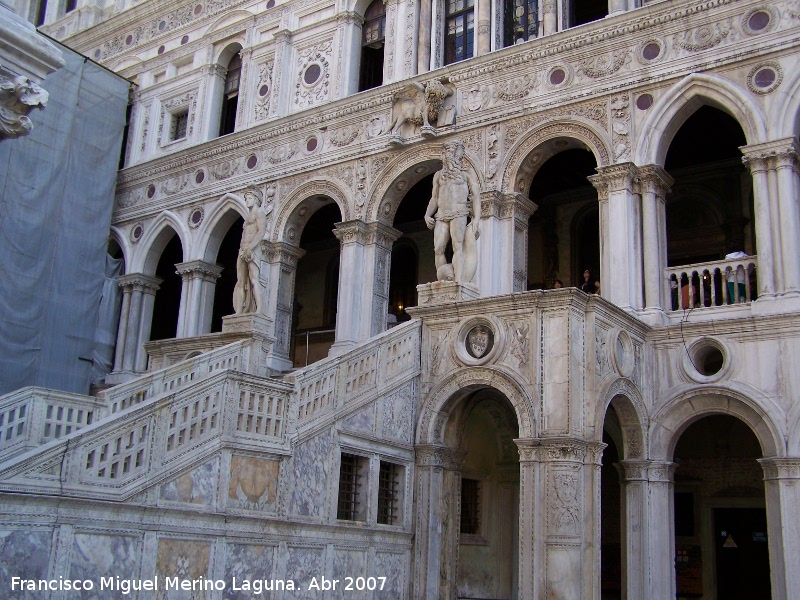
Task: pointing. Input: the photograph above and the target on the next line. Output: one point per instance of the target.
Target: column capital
(359, 232)
(771, 155)
(528, 449)
(428, 455)
(216, 70)
(282, 36)
(517, 206)
(349, 18)
(281, 252)
(787, 469)
(634, 470)
(655, 180)
(199, 268)
(660, 471)
(139, 282)
(614, 178)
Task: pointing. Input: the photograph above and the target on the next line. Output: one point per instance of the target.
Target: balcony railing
(715, 283)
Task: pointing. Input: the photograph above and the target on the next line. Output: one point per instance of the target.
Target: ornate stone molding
(661, 472)
(614, 178)
(283, 253)
(517, 206)
(771, 155)
(199, 268)
(528, 449)
(439, 456)
(635, 470)
(781, 468)
(655, 180)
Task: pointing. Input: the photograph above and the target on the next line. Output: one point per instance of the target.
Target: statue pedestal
(250, 323)
(440, 292)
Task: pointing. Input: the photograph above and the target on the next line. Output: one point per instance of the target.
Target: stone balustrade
(715, 283)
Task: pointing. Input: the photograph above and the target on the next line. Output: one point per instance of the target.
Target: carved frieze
(704, 37)
(313, 77)
(520, 342)
(263, 89)
(603, 65)
(620, 127)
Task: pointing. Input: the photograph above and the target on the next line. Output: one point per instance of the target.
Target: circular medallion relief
(271, 4)
(151, 190)
(263, 90)
(707, 360)
(644, 101)
(196, 216)
(311, 144)
(199, 176)
(760, 20)
(198, 9)
(479, 340)
(557, 76)
(651, 51)
(252, 161)
(184, 40)
(137, 231)
(764, 78)
(623, 354)
(161, 50)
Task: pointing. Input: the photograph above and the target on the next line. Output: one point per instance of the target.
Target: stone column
(282, 264)
(425, 33)
(199, 280)
(215, 86)
(655, 184)
(531, 514)
(377, 268)
(660, 540)
(483, 27)
(636, 527)
(620, 235)
(767, 235)
(438, 493)
(348, 39)
(137, 295)
(617, 6)
(503, 244)
(281, 91)
(782, 489)
(549, 16)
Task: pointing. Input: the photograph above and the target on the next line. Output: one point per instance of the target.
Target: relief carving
(422, 106)
(18, 97)
(520, 343)
(603, 64)
(620, 127)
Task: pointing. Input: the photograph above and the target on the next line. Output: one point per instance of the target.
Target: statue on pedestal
(455, 196)
(247, 296)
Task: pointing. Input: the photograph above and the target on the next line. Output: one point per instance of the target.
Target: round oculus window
(312, 74)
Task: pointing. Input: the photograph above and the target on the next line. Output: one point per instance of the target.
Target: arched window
(372, 44)
(459, 30)
(230, 99)
(520, 21)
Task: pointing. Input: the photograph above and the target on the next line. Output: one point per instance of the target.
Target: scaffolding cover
(56, 197)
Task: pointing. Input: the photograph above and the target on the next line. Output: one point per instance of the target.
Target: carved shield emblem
(480, 340)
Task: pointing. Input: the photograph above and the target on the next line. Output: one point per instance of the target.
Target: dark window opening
(351, 472)
(223, 290)
(684, 514)
(372, 45)
(470, 506)
(389, 493)
(167, 303)
(520, 21)
(230, 100)
(460, 28)
(586, 11)
(41, 13)
(179, 126)
(125, 132)
(70, 5)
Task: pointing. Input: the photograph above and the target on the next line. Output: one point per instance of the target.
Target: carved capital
(518, 206)
(139, 282)
(614, 178)
(352, 232)
(283, 253)
(786, 469)
(782, 153)
(216, 71)
(349, 18)
(198, 268)
(439, 456)
(661, 472)
(18, 97)
(655, 180)
(382, 235)
(565, 450)
(528, 449)
(634, 470)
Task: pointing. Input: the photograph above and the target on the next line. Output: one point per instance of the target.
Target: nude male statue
(453, 189)
(247, 292)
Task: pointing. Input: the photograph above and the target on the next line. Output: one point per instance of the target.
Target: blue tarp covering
(56, 198)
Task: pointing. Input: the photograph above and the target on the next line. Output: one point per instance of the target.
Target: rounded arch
(156, 238)
(688, 406)
(628, 403)
(359, 6)
(417, 162)
(785, 118)
(291, 216)
(446, 395)
(216, 224)
(679, 102)
(586, 134)
(122, 241)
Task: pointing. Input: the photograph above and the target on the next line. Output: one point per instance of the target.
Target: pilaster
(282, 264)
(782, 488)
(215, 84)
(348, 40)
(620, 235)
(284, 53)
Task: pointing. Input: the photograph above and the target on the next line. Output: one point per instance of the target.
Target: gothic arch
(446, 395)
(153, 242)
(587, 134)
(215, 225)
(785, 121)
(121, 239)
(629, 405)
(292, 217)
(688, 406)
(670, 112)
(384, 198)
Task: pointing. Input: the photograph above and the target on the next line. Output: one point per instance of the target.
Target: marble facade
(210, 459)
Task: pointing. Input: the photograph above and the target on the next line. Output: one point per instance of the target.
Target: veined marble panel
(95, 556)
(185, 559)
(248, 562)
(195, 487)
(25, 554)
(392, 566)
(363, 420)
(349, 563)
(302, 564)
(398, 413)
(310, 467)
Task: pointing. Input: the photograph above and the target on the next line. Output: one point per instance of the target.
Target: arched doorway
(563, 233)
(316, 286)
(719, 512)
(167, 303)
(226, 258)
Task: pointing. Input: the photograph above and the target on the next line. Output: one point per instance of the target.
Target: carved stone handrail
(714, 283)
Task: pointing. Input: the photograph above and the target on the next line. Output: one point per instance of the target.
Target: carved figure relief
(620, 127)
(520, 342)
(263, 91)
(422, 106)
(564, 513)
(18, 97)
(492, 151)
(454, 188)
